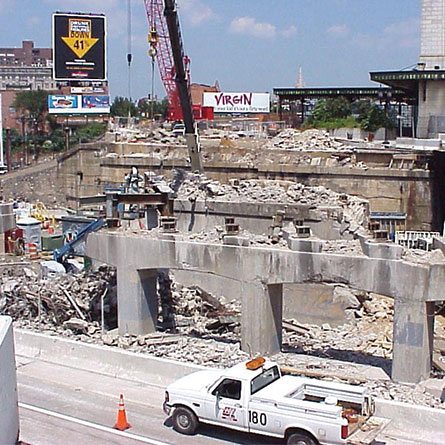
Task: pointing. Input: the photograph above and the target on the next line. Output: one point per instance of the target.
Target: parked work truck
(254, 397)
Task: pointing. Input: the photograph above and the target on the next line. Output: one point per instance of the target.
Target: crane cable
(129, 54)
(153, 40)
(129, 58)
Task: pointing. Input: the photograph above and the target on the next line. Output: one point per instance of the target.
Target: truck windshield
(264, 379)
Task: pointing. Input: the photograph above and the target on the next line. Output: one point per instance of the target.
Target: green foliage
(375, 118)
(57, 140)
(331, 109)
(90, 132)
(121, 105)
(34, 104)
(159, 107)
(339, 113)
(16, 138)
(347, 122)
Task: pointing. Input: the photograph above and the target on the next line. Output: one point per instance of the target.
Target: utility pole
(2, 161)
(8, 148)
(67, 138)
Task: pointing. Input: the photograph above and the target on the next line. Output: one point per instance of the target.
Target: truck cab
(255, 397)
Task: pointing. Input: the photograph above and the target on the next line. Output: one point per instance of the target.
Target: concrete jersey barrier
(145, 369)
(9, 414)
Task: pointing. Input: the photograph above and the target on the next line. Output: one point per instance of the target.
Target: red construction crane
(166, 46)
(160, 48)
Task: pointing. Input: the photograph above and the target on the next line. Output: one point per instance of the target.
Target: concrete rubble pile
(195, 326)
(66, 304)
(367, 338)
(198, 187)
(151, 136)
(423, 257)
(309, 140)
(216, 235)
(192, 310)
(343, 247)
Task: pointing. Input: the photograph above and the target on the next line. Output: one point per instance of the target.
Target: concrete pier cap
(261, 273)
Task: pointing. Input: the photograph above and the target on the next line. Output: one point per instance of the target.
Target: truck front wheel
(184, 421)
(300, 438)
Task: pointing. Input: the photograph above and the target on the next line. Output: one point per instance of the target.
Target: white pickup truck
(254, 397)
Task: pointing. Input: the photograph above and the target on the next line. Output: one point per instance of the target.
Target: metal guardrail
(415, 239)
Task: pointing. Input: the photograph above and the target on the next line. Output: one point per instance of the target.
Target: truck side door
(226, 404)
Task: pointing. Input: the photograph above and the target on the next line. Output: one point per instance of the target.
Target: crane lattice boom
(164, 56)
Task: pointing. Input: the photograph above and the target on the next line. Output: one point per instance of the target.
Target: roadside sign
(222, 102)
(78, 104)
(79, 47)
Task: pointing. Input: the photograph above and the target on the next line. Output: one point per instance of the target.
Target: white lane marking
(92, 425)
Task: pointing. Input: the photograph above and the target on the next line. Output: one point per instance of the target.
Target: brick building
(26, 68)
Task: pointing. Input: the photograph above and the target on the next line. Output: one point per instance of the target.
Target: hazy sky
(248, 45)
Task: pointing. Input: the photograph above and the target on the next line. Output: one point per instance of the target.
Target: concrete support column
(152, 217)
(137, 301)
(261, 319)
(412, 340)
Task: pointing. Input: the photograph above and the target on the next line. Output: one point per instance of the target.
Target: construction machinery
(166, 45)
(61, 255)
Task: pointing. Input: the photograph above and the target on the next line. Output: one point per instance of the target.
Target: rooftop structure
(26, 68)
(427, 80)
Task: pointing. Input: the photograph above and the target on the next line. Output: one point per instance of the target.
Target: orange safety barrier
(32, 249)
(121, 423)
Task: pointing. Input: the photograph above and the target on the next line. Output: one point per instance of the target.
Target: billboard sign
(76, 104)
(238, 102)
(79, 47)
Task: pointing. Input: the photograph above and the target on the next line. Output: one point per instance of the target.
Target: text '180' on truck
(254, 397)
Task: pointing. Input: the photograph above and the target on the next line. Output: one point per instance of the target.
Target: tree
(121, 106)
(360, 108)
(34, 104)
(159, 107)
(331, 109)
(374, 119)
(90, 132)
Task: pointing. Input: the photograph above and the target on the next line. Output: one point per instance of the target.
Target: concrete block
(439, 243)
(385, 251)
(170, 236)
(412, 341)
(9, 415)
(403, 414)
(261, 318)
(231, 240)
(435, 387)
(137, 301)
(305, 245)
(107, 360)
(7, 218)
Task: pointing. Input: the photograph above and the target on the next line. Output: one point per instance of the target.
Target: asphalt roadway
(64, 405)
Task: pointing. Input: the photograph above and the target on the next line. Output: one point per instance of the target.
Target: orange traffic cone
(121, 423)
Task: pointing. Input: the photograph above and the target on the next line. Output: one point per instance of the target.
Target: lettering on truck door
(226, 404)
(263, 416)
